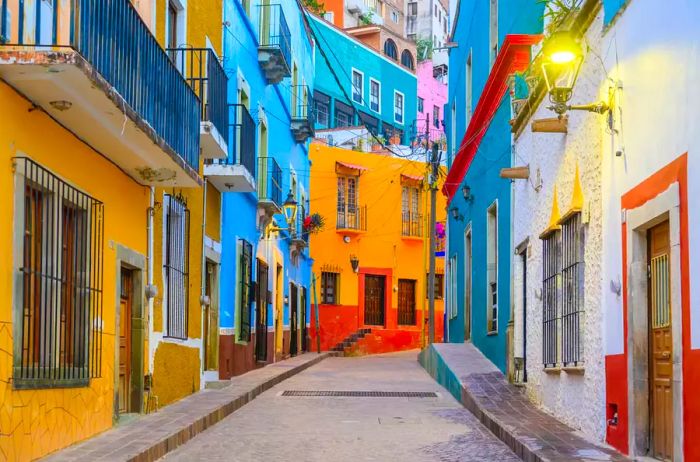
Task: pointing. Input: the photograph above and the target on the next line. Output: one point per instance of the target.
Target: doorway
(126, 301)
(293, 320)
(468, 284)
(660, 342)
(211, 318)
(523, 257)
(304, 333)
(279, 313)
(374, 300)
(261, 302)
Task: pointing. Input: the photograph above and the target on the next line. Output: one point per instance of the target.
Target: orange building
(371, 257)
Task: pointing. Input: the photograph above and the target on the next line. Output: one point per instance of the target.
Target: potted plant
(395, 139)
(314, 223)
(378, 143)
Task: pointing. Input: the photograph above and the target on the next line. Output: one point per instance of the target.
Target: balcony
(269, 186)
(275, 45)
(411, 225)
(300, 239)
(302, 114)
(203, 72)
(352, 220)
(236, 172)
(97, 70)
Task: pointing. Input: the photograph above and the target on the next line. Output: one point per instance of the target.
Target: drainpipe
(204, 300)
(150, 288)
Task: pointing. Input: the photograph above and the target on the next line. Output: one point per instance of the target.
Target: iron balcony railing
(116, 42)
(354, 219)
(299, 232)
(269, 180)
(274, 31)
(411, 224)
(302, 109)
(203, 72)
(241, 136)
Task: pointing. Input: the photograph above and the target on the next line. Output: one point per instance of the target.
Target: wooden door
(302, 321)
(125, 305)
(660, 342)
(294, 340)
(211, 319)
(261, 313)
(407, 302)
(374, 300)
(279, 313)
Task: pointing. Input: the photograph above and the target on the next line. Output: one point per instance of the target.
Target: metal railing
(241, 136)
(352, 219)
(299, 233)
(411, 224)
(113, 38)
(302, 108)
(274, 31)
(203, 72)
(269, 180)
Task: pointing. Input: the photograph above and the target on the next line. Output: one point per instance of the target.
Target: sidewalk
(532, 434)
(152, 436)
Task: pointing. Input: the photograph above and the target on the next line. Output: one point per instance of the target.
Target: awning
(346, 165)
(411, 178)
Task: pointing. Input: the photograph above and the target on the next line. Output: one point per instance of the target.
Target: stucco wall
(575, 398)
(434, 93)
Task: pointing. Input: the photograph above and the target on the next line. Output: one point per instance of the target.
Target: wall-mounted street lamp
(289, 208)
(467, 193)
(562, 58)
(454, 211)
(355, 263)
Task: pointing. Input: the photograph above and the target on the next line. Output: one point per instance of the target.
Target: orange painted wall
(337, 7)
(381, 249)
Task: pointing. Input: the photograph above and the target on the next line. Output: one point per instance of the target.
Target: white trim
(379, 96)
(353, 88)
(403, 108)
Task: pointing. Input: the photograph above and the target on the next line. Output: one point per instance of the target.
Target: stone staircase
(351, 340)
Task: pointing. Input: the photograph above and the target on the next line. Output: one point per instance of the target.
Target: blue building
(494, 40)
(382, 91)
(265, 267)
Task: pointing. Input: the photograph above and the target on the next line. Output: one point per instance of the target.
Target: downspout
(203, 298)
(150, 288)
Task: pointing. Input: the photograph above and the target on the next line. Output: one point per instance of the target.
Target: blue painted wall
(346, 53)
(273, 102)
(472, 35)
(611, 8)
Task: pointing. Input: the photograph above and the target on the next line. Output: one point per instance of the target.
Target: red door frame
(387, 273)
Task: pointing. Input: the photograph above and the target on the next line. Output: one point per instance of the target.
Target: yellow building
(371, 258)
(104, 209)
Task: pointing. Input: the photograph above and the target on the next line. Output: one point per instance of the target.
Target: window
(321, 111)
(444, 27)
(438, 287)
(413, 9)
(439, 15)
(420, 104)
(176, 265)
(245, 292)
(407, 302)
(390, 49)
(572, 290)
(342, 119)
(407, 59)
(358, 89)
(348, 216)
(493, 32)
(398, 107)
(468, 89)
(329, 16)
(492, 268)
(395, 16)
(436, 11)
(374, 95)
(246, 6)
(171, 39)
(436, 116)
(411, 219)
(330, 288)
(453, 131)
(452, 288)
(550, 310)
(58, 303)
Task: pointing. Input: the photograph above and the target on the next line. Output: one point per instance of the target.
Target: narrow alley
(277, 427)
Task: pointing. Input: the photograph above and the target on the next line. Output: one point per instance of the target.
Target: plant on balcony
(315, 7)
(558, 12)
(424, 48)
(440, 230)
(379, 141)
(366, 19)
(314, 223)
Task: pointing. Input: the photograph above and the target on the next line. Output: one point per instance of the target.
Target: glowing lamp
(290, 209)
(562, 59)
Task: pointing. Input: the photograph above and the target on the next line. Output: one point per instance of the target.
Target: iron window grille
(551, 263)
(572, 275)
(176, 267)
(245, 300)
(349, 214)
(438, 288)
(58, 336)
(330, 288)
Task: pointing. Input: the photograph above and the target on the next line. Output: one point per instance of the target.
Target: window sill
(350, 231)
(412, 238)
(552, 370)
(579, 370)
(491, 333)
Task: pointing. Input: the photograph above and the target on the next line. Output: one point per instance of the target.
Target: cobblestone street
(275, 427)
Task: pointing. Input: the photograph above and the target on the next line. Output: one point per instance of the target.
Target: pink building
(432, 97)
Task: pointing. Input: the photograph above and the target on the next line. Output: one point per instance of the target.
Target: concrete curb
(146, 439)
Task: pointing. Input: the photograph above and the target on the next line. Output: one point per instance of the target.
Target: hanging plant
(440, 230)
(314, 223)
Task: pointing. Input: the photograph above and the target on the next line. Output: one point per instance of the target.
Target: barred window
(177, 249)
(329, 288)
(439, 283)
(572, 290)
(60, 232)
(245, 299)
(550, 310)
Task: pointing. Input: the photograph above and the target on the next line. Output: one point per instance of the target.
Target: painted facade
(390, 112)
(384, 226)
(432, 98)
(280, 166)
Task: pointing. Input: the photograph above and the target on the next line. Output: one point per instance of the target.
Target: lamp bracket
(600, 107)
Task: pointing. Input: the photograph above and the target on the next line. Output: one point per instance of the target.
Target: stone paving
(275, 427)
(505, 409)
(149, 437)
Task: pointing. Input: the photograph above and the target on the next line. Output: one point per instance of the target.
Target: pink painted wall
(434, 93)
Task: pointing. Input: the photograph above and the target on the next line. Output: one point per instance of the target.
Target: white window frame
(379, 95)
(403, 107)
(362, 86)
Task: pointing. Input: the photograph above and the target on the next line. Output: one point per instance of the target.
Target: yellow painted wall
(176, 372)
(382, 246)
(34, 423)
(213, 213)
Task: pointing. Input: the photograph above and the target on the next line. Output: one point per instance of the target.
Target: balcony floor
(229, 177)
(98, 115)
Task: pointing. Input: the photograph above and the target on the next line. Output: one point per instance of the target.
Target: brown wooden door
(661, 352)
(125, 304)
(211, 319)
(261, 303)
(374, 300)
(407, 302)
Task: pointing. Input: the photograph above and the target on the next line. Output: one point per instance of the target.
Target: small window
(436, 11)
(420, 104)
(407, 59)
(321, 111)
(358, 87)
(330, 288)
(395, 16)
(245, 289)
(551, 263)
(438, 288)
(398, 107)
(492, 268)
(329, 16)
(413, 9)
(436, 116)
(176, 265)
(390, 49)
(348, 211)
(374, 95)
(411, 218)
(572, 291)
